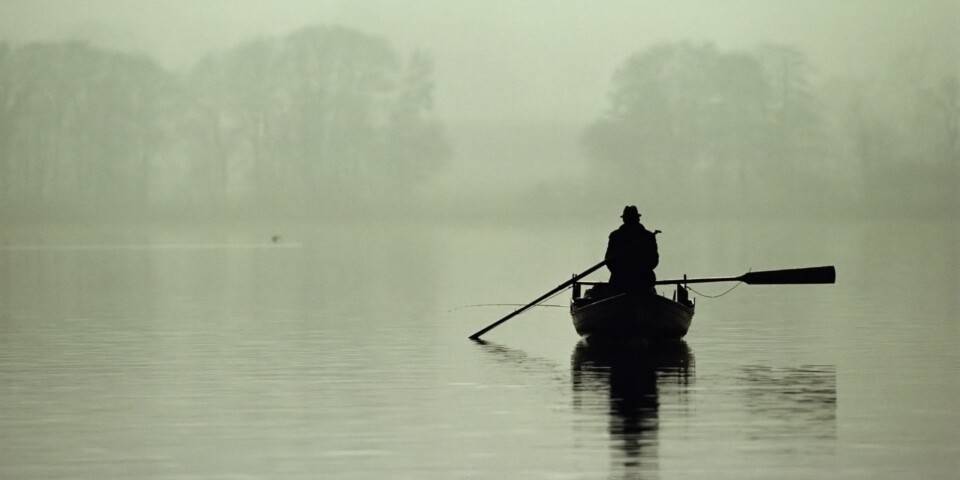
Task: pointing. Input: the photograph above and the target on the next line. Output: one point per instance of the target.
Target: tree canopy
(279, 122)
(695, 117)
(688, 122)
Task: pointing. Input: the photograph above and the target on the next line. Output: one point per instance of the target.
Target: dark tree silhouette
(901, 130)
(691, 120)
(323, 110)
(321, 113)
(80, 126)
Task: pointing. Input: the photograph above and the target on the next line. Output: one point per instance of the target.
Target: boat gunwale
(574, 309)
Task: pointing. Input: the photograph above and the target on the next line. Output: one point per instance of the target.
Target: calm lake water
(341, 352)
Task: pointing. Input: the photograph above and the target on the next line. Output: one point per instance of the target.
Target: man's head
(630, 214)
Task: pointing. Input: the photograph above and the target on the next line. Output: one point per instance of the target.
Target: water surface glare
(340, 352)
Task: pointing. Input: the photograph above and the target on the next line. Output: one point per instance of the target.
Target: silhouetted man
(632, 254)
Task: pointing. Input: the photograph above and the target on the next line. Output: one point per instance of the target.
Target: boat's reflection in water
(630, 381)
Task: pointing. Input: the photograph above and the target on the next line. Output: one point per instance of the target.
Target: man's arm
(611, 253)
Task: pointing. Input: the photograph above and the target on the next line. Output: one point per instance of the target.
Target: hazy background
(477, 109)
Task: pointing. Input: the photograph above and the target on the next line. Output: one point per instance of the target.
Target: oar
(476, 336)
(792, 276)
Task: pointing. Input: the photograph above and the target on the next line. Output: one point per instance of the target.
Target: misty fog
(450, 110)
(250, 238)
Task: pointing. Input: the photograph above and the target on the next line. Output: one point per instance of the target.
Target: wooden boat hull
(631, 316)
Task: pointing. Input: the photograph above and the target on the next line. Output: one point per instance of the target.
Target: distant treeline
(319, 116)
(328, 119)
(722, 131)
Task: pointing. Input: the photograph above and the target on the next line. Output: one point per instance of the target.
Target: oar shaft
(791, 276)
(476, 336)
(699, 280)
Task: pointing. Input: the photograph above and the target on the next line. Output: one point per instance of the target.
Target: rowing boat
(604, 313)
(630, 316)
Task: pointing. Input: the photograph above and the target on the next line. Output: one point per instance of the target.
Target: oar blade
(793, 276)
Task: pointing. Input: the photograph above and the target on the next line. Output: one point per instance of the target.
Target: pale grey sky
(503, 59)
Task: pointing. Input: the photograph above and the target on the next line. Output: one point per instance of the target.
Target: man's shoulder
(622, 233)
(628, 229)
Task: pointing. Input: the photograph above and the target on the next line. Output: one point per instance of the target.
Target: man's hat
(630, 211)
